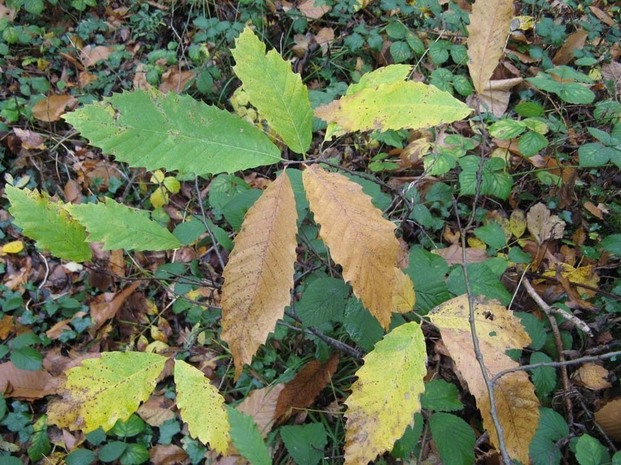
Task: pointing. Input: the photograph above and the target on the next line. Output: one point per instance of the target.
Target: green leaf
(323, 300)
(494, 180)
(535, 329)
(576, 93)
(135, 454)
(275, 90)
(531, 143)
(506, 129)
(174, 132)
(121, 227)
(112, 451)
(400, 51)
(543, 448)
(40, 443)
(383, 402)
(27, 358)
(441, 396)
(492, 234)
(129, 428)
(589, 451)
(616, 459)
(428, 272)
(612, 244)
(202, 407)
(395, 106)
(454, 439)
(189, 231)
(102, 390)
(360, 325)
(305, 443)
(48, 223)
(595, 154)
(80, 457)
(247, 439)
(482, 282)
(544, 378)
(387, 75)
(529, 109)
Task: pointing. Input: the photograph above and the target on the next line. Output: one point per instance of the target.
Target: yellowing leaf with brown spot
(386, 396)
(497, 330)
(202, 407)
(259, 275)
(360, 239)
(487, 35)
(103, 390)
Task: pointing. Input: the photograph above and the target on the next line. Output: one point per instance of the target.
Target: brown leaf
(106, 306)
(259, 275)
(454, 254)
(487, 36)
(260, 404)
(612, 72)
(30, 140)
(25, 384)
(168, 454)
(608, 418)
(603, 16)
(174, 80)
(495, 97)
(574, 42)
(156, 410)
(140, 78)
(93, 54)
(360, 239)
(324, 37)
(53, 107)
(308, 8)
(592, 376)
(542, 225)
(302, 390)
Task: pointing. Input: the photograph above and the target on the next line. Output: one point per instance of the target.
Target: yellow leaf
(259, 275)
(386, 396)
(202, 407)
(13, 247)
(103, 390)
(487, 35)
(360, 239)
(403, 298)
(159, 197)
(517, 223)
(497, 330)
(582, 275)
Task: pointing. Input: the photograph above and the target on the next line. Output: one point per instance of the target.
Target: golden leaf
(487, 35)
(360, 239)
(259, 275)
(497, 330)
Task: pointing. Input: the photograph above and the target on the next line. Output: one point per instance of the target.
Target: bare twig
(214, 241)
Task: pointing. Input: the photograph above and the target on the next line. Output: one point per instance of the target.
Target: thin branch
(206, 224)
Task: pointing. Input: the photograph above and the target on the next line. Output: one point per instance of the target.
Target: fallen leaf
(311, 11)
(260, 404)
(105, 306)
(573, 42)
(174, 80)
(603, 16)
(496, 96)
(592, 376)
(140, 78)
(454, 254)
(93, 54)
(258, 277)
(167, 454)
(489, 27)
(612, 72)
(608, 416)
(302, 390)
(12, 247)
(157, 410)
(51, 108)
(25, 384)
(324, 37)
(30, 140)
(542, 225)
(517, 223)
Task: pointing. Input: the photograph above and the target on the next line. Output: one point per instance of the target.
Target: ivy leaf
(359, 239)
(174, 132)
(399, 105)
(258, 277)
(121, 227)
(202, 407)
(454, 439)
(48, 223)
(103, 390)
(275, 90)
(383, 401)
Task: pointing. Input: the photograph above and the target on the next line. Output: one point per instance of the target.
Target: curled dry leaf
(496, 96)
(53, 107)
(302, 390)
(30, 140)
(592, 376)
(106, 306)
(542, 225)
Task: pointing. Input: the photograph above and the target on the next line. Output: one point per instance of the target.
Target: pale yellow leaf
(201, 407)
(517, 223)
(592, 376)
(608, 416)
(386, 396)
(259, 275)
(360, 239)
(490, 21)
(403, 298)
(497, 330)
(542, 225)
(260, 404)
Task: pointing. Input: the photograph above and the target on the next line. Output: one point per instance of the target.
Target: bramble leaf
(174, 132)
(103, 390)
(275, 90)
(48, 223)
(201, 407)
(259, 275)
(121, 227)
(386, 396)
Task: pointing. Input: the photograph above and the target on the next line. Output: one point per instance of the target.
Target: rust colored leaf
(259, 275)
(360, 239)
(93, 54)
(174, 80)
(260, 404)
(487, 35)
(53, 107)
(302, 390)
(574, 42)
(169, 454)
(25, 384)
(107, 305)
